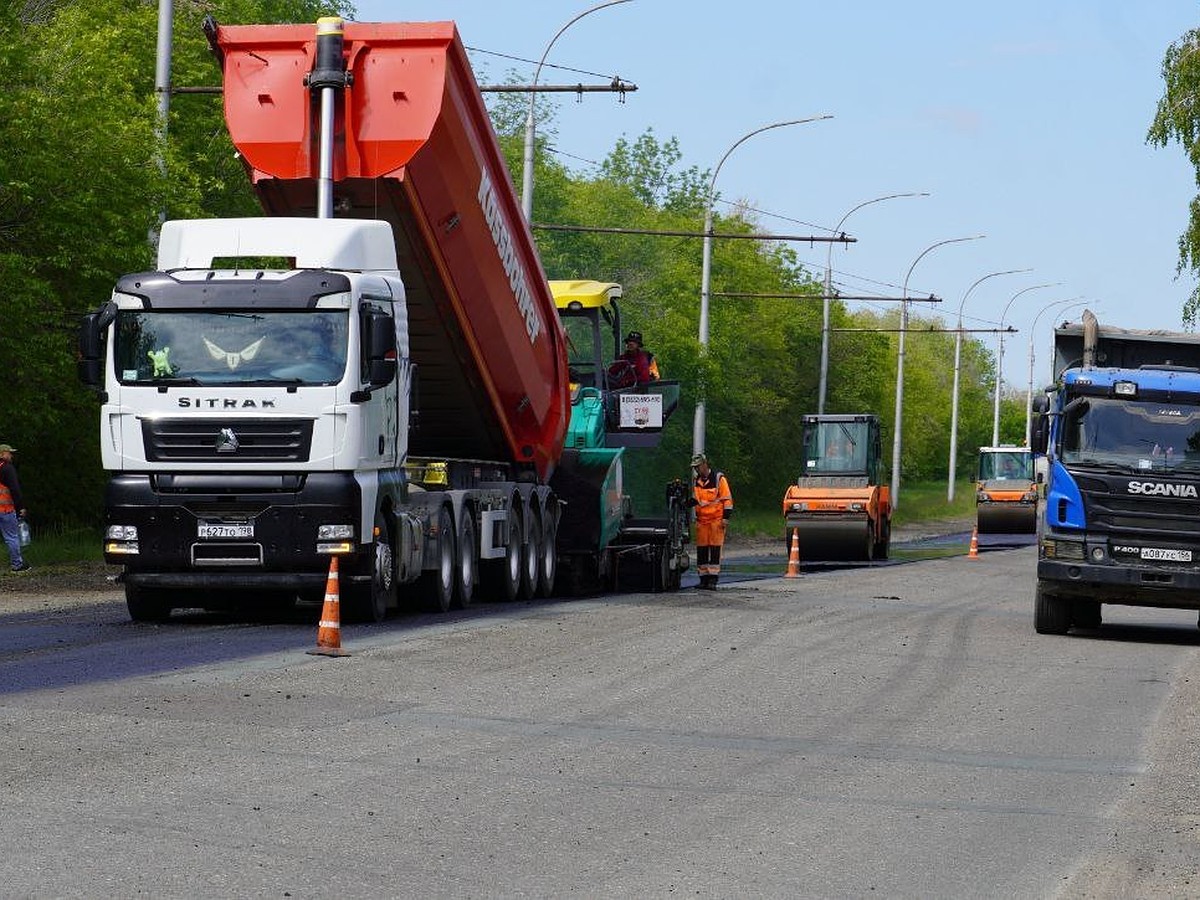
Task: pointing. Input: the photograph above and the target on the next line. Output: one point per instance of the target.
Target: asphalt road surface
(891, 730)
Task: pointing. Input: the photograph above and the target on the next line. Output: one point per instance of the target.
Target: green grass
(925, 500)
(57, 545)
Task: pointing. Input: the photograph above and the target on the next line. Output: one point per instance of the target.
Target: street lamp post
(1032, 330)
(698, 424)
(896, 426)
(1000, 356)
(527, 169)
(829, 291)
(958, 335)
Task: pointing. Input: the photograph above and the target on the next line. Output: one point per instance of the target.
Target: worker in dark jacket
(12, 508)
(713, 502)
(636, 365)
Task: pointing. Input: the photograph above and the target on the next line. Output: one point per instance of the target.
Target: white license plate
(1168, 555)
(218, 530)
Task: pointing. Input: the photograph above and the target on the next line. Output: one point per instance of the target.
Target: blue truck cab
(1120, 430)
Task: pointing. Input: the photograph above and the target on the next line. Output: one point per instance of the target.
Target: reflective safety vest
(6, 498)
(715, 487)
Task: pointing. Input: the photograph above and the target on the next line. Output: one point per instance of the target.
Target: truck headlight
(121, 540)
(335, 540)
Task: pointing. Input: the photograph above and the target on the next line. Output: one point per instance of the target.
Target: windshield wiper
(168, 382)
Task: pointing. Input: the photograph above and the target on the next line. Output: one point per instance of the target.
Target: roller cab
(1006, 492)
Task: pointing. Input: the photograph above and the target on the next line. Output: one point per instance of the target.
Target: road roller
(1006, 493)
(839, 506)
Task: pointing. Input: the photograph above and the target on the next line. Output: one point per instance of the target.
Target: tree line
(88, 173)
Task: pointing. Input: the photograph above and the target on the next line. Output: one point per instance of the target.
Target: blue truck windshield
(231, 348)
(1131, 434)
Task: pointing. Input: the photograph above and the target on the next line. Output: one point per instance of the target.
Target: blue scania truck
(1120, 430)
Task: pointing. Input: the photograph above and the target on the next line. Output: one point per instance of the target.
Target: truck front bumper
(1168, 587)
(272, 542)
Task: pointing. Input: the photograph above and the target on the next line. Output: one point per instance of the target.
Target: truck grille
(1130, 515)
(225, 440)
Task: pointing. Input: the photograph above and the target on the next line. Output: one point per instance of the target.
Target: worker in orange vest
(12, 508)
(713, 502)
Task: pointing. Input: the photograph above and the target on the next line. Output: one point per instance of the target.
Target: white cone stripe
(327, 624)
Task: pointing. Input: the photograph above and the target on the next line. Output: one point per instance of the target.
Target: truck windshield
(230, 348)
(835, 448)
(1003, 465)
(1131, 434)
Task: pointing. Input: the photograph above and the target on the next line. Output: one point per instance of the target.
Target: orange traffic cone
(329, 632)
(974, 551)
(793, 569)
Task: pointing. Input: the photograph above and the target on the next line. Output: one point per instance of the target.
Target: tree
(1177, 117)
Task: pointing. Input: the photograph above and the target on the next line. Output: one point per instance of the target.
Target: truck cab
(1121, 518)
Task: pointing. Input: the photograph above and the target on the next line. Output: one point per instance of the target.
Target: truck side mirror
(379, 352)
(1040, 425)
(90, 364)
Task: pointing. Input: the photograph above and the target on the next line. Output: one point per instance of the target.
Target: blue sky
(1025, 121)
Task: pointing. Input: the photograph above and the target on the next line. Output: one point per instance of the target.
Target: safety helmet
(635, 336)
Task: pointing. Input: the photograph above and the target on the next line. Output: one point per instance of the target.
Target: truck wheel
(548, 564)
(1086, 613)
(370, 602)
(436, 586)
(1051, 613)
(502, 577)
(147, 604)
(465, 573)
(531, 557)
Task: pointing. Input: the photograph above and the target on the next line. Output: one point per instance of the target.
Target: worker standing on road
(714, 505)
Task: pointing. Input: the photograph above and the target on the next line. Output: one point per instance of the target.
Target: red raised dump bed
(414, 146)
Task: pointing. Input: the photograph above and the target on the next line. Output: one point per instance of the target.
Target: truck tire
(465, 572)
(147, 604)
(1086, 613)
(502, 577)
(1051, 613)
(370, 602)
(531, 556)
(435, 587)
(548, 561)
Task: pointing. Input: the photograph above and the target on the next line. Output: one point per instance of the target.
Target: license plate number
(1167, 555)
(221, 530)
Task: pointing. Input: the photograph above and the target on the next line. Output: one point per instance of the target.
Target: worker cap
(635, 336)
(699, 458)
(5, 448)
